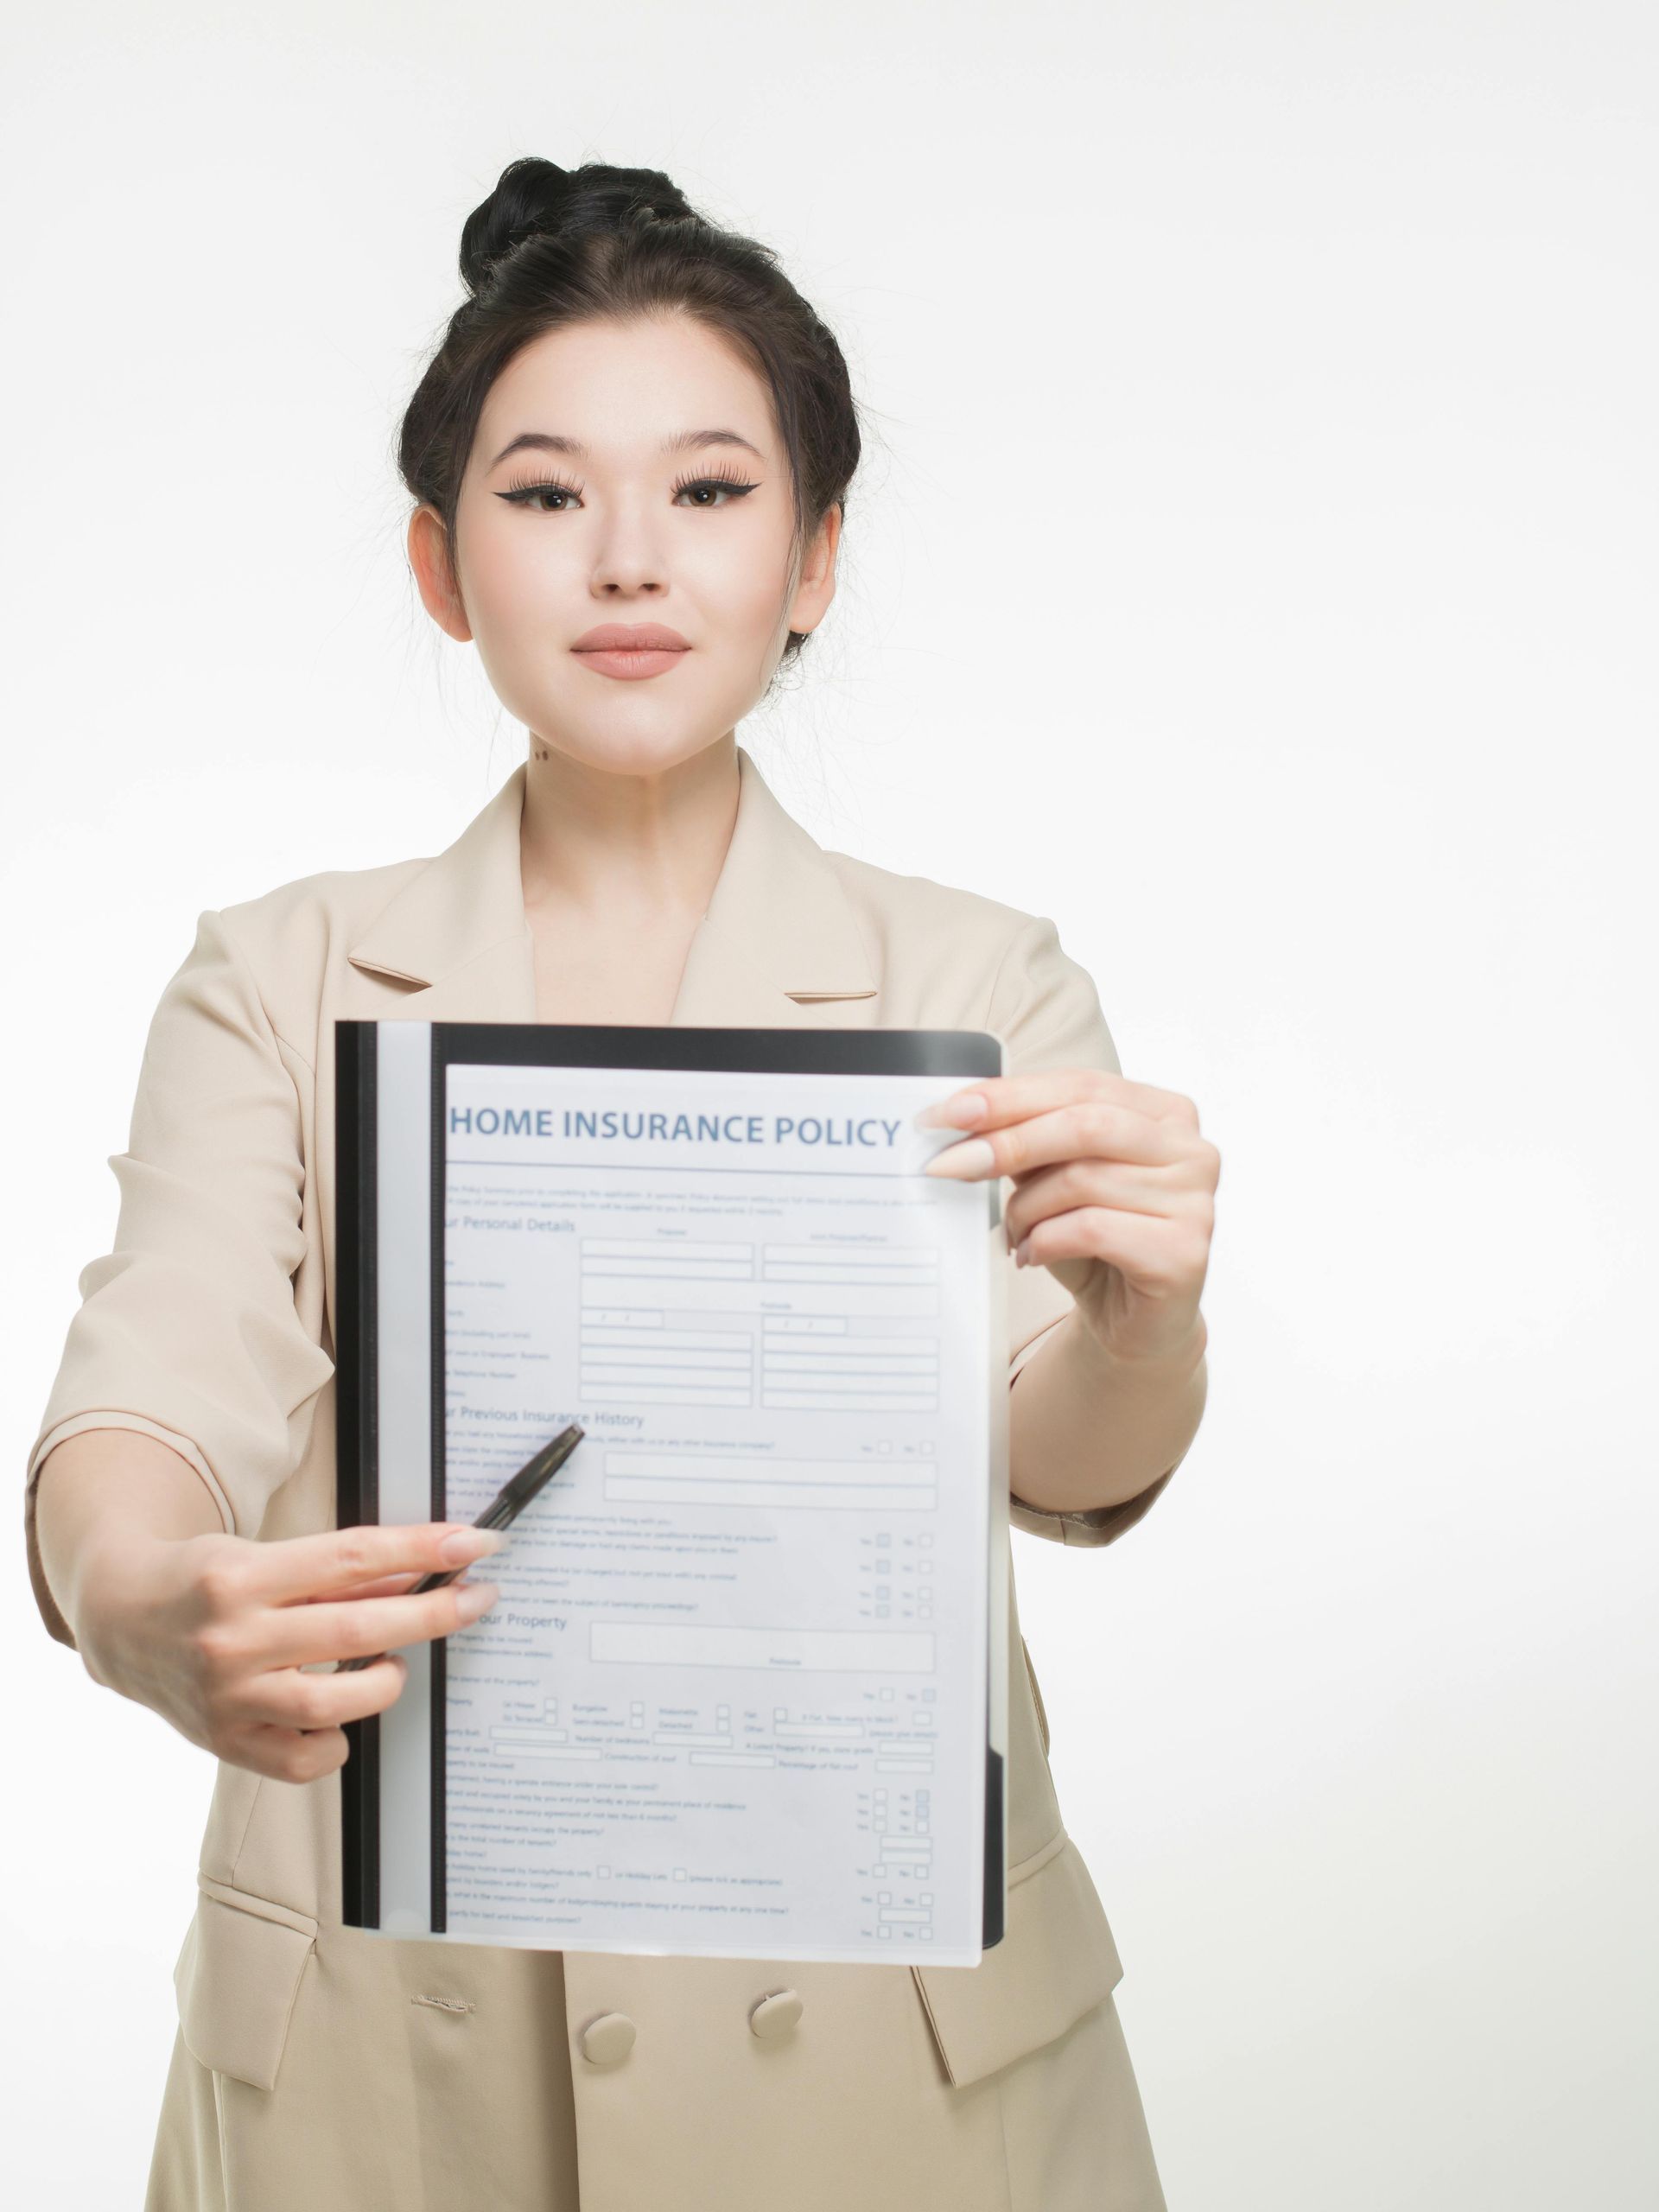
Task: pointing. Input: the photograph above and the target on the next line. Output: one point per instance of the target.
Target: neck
(600, 841)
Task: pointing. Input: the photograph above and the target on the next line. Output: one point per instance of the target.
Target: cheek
(512, 573)
(738, 585)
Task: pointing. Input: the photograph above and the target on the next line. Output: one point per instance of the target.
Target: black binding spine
(438, 1157)
(357, 1445)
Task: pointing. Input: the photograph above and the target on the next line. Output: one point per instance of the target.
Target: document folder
(743, 1692)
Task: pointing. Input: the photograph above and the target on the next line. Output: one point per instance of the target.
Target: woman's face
(632, 518)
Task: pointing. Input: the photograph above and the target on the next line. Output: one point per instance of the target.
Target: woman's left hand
(1114, 1194)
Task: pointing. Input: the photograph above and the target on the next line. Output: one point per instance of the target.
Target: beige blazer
(209, 1326)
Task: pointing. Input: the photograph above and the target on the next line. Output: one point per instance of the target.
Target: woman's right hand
(212, 1632)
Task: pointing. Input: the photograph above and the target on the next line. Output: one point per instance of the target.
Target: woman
(629, 459)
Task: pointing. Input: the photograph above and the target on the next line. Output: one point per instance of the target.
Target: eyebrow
(682, 441)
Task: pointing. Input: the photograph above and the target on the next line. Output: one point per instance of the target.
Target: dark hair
(550, 247)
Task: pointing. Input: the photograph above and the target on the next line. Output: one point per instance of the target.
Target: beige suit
(317, 2067)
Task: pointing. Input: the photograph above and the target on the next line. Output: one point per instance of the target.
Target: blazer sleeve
(1046, 1011)
(188, 1328)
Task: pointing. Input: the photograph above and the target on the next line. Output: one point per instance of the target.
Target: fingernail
(471, 1544)
(953, 1112)
(974, 1156)
(475, 1598)
(1022, 1253)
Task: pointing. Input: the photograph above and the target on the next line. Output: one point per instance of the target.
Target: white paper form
(733, 1699)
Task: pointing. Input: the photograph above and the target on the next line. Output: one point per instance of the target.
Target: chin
(621, 750)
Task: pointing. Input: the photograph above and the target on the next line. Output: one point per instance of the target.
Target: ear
(428, 556)
(817, 584)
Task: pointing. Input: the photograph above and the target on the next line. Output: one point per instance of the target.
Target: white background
(1254, 569)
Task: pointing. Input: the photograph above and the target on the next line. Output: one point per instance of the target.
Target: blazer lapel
(778, 945)
(455, 938)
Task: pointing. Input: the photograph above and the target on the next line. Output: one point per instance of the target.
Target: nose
(628, 560)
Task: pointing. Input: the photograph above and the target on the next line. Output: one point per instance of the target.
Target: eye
(530, 495)
(720, 481)
(521, 495)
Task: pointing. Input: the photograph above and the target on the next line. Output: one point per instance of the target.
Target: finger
(1086, 1129)
(286, 1698)
(298, 1636)
(1158, 1260)
(286, 1755)
(388, 1586)
(1121, 1185)
(996, 1100)
(291, 1754)
(294, 1754)
(295, 1567)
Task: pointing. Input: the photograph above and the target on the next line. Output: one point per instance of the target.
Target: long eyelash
(522, 493)
(713, 476)
(541, 484)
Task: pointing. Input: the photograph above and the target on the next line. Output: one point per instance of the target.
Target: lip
(631, 638)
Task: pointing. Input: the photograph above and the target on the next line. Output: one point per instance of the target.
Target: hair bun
(536, 198)
(526, 202)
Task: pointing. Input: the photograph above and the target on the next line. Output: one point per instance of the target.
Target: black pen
(504, 1508)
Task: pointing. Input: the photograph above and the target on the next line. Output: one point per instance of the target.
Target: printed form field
(815, 1358)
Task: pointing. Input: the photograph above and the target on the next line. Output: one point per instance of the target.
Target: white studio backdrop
(1254, 569)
